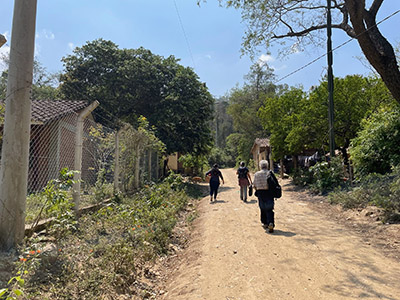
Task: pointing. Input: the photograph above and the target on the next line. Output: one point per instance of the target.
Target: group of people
(261, 183)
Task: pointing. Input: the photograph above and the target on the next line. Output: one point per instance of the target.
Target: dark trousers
(266, 204)
(214, 188)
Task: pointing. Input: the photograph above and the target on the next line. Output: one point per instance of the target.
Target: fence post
(116, 169)
(137, 167)
(150, 154)
(78, 154)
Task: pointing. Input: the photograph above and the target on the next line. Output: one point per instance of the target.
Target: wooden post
(17, 121)
(78, 154)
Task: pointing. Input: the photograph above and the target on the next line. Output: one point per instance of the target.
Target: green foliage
(133, 82)
(112, 248)
(223, 122)
(56, 201)
(322, 177)
(279, 116)
(15, 291)
(382, 190)
(221, 157)
(376, 148)
(194, 162)
(327, 176)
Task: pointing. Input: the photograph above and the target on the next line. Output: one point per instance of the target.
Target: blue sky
(214, 35)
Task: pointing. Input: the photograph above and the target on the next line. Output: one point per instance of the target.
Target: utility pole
(330, 83)
(17, 121)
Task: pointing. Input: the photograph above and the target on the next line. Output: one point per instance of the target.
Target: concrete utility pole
(17, 121)
(330, 83)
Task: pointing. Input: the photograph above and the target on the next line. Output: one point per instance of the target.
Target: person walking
(262, 180)
(244, 180)
(215, 174)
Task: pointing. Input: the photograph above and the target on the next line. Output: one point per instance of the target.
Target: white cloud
(208, 56)
(47, 34)
(265, 58)
(71, 46)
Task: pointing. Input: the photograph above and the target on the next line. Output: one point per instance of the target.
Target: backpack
(243, 172)
(274, 186)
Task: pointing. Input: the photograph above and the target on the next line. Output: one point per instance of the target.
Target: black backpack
(273, 185)
(243, 172)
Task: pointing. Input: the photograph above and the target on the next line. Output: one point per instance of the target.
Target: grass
(108, 252)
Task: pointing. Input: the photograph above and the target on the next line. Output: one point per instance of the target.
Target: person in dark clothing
(264, 195)
(244, 180)
(215, 174)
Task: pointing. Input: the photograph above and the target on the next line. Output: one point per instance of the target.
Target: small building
(52, 141)
(261, 150)
(174, 164)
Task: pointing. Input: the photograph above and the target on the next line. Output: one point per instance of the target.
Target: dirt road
(307, 257)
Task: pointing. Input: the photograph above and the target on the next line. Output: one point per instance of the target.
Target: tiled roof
(45, 110)
(262, 142)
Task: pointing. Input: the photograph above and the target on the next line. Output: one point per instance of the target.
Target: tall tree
(302, 22)
(133, 82)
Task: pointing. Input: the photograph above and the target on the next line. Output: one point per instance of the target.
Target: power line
(184, 34)
(336, 48)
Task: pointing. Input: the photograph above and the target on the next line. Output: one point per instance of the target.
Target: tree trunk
(378, 51)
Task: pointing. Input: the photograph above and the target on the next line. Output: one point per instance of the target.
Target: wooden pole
(17, 121)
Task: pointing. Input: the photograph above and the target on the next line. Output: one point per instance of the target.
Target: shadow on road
(253, 201)
(281, 233)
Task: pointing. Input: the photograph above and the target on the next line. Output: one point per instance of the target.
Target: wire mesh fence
(53, 146)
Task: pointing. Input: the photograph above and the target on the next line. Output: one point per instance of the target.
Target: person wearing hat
(215, 174)
(244, 180)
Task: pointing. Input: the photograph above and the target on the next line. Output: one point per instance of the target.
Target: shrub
(375, 189)
(376, 148)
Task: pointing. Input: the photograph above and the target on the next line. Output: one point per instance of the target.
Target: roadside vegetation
(111, 250)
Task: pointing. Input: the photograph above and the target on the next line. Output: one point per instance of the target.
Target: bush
(375, 189)
(376, 148)
(322, 177)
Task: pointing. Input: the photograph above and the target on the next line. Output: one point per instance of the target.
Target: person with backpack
(215, 174)
(267, 187)
(244, 180)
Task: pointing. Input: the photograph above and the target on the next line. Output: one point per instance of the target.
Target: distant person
(264, 195)
(215, 174)
(244, 180)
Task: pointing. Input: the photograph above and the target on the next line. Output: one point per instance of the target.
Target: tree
(279, 115)
(44, 84)
(302, 22)
(133, 82)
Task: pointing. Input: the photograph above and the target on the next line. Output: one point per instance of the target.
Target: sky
(206, 38)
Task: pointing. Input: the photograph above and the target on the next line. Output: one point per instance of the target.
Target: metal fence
(53, 147)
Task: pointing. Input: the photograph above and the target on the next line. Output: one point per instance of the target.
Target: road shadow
(253, 201)
(279, 232)
(217, 201)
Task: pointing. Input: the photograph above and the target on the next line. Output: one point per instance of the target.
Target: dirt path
(307, 257)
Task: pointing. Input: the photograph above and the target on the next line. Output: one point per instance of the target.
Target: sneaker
(210, 198)
(271, 227)
(264, 226)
